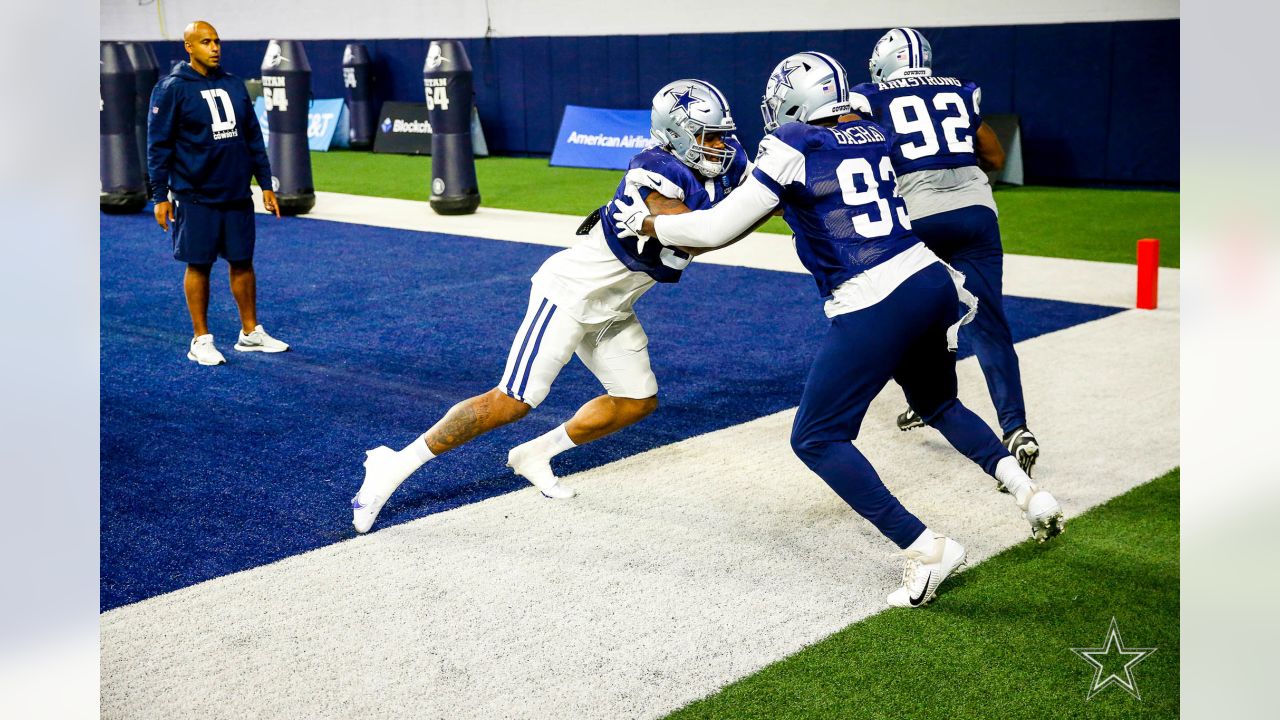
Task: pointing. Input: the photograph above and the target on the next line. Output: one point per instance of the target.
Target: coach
(204, 143)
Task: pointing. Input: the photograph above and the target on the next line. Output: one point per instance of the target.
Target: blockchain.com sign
(600, 138)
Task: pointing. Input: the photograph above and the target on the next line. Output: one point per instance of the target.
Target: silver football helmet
(684, 113)
(897, 52)
(805, 87)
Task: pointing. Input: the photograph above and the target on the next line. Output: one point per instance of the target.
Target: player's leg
(982, 262)
(939, 235)
(196, 244)
(542, 346)
(244, 288)
(195, 286)
(618, 356)
(852, 366)
(927, 375)
(239, 236)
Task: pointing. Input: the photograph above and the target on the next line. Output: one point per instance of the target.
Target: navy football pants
(969, 240)
(904, 338)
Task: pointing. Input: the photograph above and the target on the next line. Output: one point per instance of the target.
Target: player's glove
(629, 212)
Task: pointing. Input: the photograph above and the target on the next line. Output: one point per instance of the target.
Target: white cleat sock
(924, 544)
(532, 461)
(1013, 478)
(1038, 506)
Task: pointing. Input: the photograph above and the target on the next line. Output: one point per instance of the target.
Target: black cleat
(1024, 448)
(909, 420)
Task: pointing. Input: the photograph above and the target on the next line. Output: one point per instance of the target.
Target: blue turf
(207, 471)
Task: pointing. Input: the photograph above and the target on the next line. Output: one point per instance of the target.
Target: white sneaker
(203, 351)
(924, 573)
(383, 473)
(259, 341)
(1043, 512)
(530, 462)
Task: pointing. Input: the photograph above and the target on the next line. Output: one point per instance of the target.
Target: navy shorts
(202, 233)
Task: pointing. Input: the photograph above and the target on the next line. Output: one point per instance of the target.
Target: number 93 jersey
(839, 194)
(934, 118)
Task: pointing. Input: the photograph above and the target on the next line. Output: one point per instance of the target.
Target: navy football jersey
(935, 119)
(839, 195)
(659, 262)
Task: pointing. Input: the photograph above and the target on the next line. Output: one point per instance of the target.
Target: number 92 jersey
(934, 118)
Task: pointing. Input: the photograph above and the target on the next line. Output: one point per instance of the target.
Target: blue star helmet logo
(783, 75)
(684, 99)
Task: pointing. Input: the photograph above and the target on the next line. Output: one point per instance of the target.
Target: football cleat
(383, 473)
(364, 511)
(1024, 448)
(924, 573)
(1042, 511)
(259, 341)
(909, 420)
(530, 462)
(203, 351)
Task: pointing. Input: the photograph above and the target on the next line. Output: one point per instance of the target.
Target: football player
(582, 302)
(895, 308)
(940, 152)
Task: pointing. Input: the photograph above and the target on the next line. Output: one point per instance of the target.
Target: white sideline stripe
(1085, 281)
(673, 573)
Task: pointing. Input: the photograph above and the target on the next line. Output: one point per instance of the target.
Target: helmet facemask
(707, 159)
(773, 102)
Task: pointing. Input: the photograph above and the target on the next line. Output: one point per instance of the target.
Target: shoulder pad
(657, 160)
(800, 136)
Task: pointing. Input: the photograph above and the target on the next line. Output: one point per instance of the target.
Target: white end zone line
(1084, 281)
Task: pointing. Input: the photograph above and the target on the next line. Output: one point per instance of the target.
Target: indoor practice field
(338, 492)
(238, 550)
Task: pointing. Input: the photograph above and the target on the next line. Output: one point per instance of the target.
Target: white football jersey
(589, 282)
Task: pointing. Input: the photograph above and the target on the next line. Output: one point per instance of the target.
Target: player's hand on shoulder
(630, 211)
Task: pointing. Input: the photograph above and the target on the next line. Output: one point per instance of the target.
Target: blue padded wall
(1098, 101)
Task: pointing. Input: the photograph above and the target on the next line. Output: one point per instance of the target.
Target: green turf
(1087, 224)
(995, 643)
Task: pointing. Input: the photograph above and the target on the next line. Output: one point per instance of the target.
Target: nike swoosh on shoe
(915, 601)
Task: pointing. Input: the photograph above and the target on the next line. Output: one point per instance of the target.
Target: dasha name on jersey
(857, 135)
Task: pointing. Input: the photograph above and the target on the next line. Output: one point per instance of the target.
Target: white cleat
(364, 511)
(529, 462)
(203, 351)
(924, 573)
(381, 471)
(1044, 514)
(259, 341)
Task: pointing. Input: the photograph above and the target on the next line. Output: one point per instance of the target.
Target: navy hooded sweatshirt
(203, 138)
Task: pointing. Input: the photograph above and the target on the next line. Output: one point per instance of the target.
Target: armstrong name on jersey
(933, 119)
(919, 81)
(641, 254)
